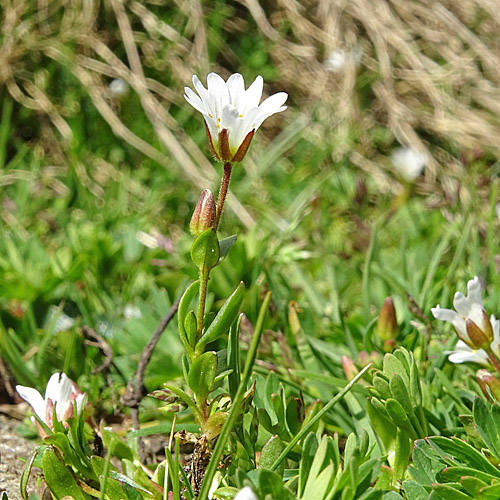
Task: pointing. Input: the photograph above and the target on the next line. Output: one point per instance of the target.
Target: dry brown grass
(428, 72)
(433, 68)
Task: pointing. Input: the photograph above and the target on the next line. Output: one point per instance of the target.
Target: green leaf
(233, 357)
(400, 394)
(472, 485)
(454, 474)
(309, 449)
(383, 427)
(382, 387)
(403, 451)
(59, 478)
(398, 415)
(183, 311)
(447, 492)
(202, 375)
(270, 452)
(393, 366)
(25, 475)
(224, 319)
(190, 327)
(113, 488)
(226, 244)
(454, 449)
(490, 492)
(415, 491)
(205, 252)
(487, 419)
(270, 483)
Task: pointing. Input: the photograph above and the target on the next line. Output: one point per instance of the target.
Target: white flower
(463, 353)
(132, 312)
(338, 59)
(232, 114)
(59, 395)
(408, 162)
(119, 88)
(245, 494)
(469, 307)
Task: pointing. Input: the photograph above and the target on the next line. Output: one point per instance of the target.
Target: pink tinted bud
(349, 368)
(387, 325)
(490, 385)
(204, 214)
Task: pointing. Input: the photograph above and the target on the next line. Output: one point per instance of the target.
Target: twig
(135, 388)
(95, 340)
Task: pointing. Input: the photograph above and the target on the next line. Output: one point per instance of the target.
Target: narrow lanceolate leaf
(183, 311)
(226, 244)
(27, 471)
(59, 478)
(224, 319)
(202, 375)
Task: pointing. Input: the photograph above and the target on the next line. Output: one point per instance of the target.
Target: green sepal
(224, 319)
(183, 312)
(202, 375)
(205, 252)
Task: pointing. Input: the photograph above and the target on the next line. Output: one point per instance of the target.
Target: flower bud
(349, 367)
(204, 214)
(478, 338)
(387, 325)
(490, 385)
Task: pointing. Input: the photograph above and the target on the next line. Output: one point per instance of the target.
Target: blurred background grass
(89, 174)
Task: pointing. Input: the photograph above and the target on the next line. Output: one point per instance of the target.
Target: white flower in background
(132, 312)
(497, 210)
(469, 318)
(232, 114)
(119, 88)
(338, 59)
(63, 322)
(246, 494)
(59, 395)
(408, 162)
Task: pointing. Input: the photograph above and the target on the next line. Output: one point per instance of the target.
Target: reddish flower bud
(490, 385)
(204, 214)
(387, 325)
(350, 370)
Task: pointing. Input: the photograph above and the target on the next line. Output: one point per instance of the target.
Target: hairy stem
(201, 306)
(223, 192)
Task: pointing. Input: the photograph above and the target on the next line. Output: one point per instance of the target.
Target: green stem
(235, 410)
(201, 306)
(318, 417)
(223, 192)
